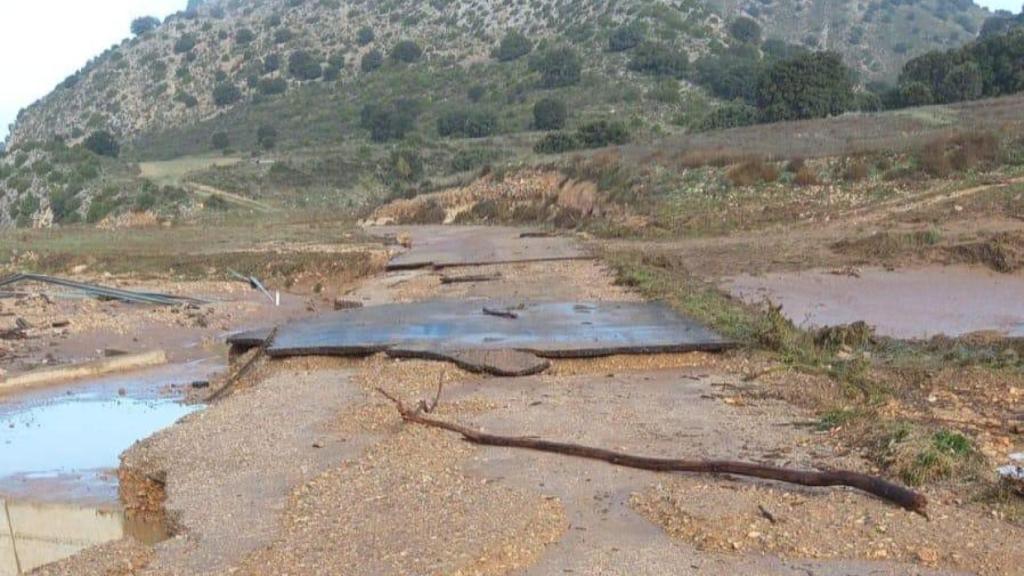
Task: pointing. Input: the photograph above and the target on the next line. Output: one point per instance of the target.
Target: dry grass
(856, 170)
(806, 176)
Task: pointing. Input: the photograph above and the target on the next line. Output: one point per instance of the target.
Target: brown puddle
(911, 303)
(35, 534)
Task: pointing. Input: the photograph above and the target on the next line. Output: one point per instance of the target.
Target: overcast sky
(44, 41)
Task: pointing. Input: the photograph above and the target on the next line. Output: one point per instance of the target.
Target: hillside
(330, 87)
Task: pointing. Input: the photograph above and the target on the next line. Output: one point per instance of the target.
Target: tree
(272, 86)
(729, 77)
(272, 63)
(731, 115)
(550, 114)
(963, 82)
(558, 67)
(220, 141)
(144, 25)
(371, 61)
(815, 85)
(304, 66)
(365, 35)
(660, 60)
(513, 47)
(226, 94)
(102, 143)
(266, 137)
(406, 51)
(625, 38)
(602, 133)
(745, 30)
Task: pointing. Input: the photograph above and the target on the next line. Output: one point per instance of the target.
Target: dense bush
(266, 137)
(602, 133)
(185, 43)
(474, 123)
(304, 66)
(558, 67)
(660, 60)
(272, 63)
(726, 116)
(406, 51)
(244, 36)
(226, 94)
(745, 30)
(365, 35)
(809, 86)
(220, 141)
(390, 121)
(550, 114)
(752, 172)
(556, 143)
(144, 24)
(102, 143)
(729, 77)
(371, 61)
(272, 86)
(187, 99)
(513, 47)
(625, 38)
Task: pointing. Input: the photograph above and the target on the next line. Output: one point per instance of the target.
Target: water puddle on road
(909, 303)
(59, 451)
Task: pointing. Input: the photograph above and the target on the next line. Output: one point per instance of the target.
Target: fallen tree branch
(243, 371)
(907, 499)
(506, 313)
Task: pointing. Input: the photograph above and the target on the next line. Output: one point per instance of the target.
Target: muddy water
(907, 303)
(59, 451)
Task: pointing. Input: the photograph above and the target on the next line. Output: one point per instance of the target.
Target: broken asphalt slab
(451, 246)
(450, 328)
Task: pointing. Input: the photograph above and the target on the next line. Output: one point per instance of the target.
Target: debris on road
(470, 279)
(255, 284)
(501, 313)
(102, 292)
(110, 365)
(894, 493)
(342, 304)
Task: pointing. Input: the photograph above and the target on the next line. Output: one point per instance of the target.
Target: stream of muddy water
(60, 451)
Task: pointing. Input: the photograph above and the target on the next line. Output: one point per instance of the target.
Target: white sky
(44, 41)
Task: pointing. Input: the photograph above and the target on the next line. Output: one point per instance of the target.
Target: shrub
(244, 36)
(856, 171)
(795, 165)
(272, 63)
(226, 94)
(512, 47)
(476, 93)
(933, 161)
(304, 66)
(556, 143)
(625, 38)
(973, 150)
(102, 143)
(752, 172)
(187, 99)
(602, 133)
(660, 60)
(266, 137)
(550, 114)
(220, 141)
(371, 61)
(406, 51)
(806, 176)
(728, 116)
(283, 36)
(365, 35)
(185, 43)
(390, 121)
(272, 86)
(467, 123)
(144, 24)
(558, 67)
(745, 30)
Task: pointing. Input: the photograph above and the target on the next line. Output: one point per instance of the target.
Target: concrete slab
(546, 329)
(449, 246)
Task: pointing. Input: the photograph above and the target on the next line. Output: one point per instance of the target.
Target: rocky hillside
(226, 53)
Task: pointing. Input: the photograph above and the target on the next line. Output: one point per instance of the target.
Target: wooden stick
(508, 314)
(908, 499)
(243, 371)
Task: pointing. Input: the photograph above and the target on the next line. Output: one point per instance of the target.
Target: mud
(912, 303)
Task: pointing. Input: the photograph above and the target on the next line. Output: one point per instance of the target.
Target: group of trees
(991, 66)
